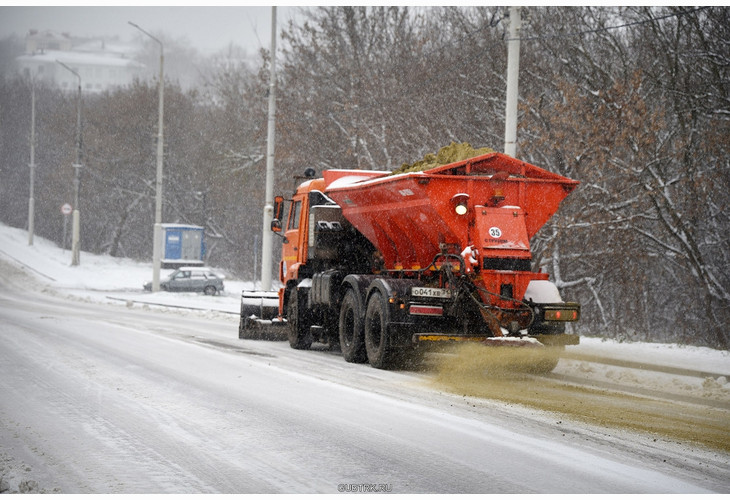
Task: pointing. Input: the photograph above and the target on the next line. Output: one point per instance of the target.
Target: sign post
(66, 210)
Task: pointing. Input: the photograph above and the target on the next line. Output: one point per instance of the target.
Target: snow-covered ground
(106, 279)
(101, 278)
(101, 398)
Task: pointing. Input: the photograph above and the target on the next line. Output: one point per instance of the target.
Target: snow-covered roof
(80, 59)
(106, 46)
(47, 35)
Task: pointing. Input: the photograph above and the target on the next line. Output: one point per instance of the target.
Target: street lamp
(76, 222)
(157, 233)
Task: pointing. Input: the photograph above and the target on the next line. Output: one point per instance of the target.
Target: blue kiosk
(182, 245)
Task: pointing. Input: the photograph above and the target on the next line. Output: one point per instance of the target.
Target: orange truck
(383, 265)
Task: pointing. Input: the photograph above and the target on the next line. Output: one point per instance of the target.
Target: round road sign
(66, 209)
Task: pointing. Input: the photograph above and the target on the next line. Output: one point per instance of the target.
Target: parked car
(191, 279)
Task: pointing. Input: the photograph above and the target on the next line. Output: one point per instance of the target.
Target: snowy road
(107, 399)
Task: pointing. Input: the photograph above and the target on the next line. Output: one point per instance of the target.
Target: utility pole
(513, 72)
(31, 198)
(76, 215)
(157, 230)
(267, 239)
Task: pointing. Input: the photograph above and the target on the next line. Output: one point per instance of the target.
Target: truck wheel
(352, 342)
(299, 335)
(381, 353)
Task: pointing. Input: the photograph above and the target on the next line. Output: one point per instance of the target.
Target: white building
(101, 66)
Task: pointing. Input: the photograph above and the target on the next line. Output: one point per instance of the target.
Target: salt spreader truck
(384, 264)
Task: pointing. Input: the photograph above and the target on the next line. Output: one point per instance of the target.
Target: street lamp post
(31, 198)
(76, 216)
(157, 233)
(267, 237)
(513, 72)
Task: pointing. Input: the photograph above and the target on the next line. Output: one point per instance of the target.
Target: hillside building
(101, 65)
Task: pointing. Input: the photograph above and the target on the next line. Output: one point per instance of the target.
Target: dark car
(191, 279)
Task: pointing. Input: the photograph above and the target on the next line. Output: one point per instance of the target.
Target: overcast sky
(207, 28)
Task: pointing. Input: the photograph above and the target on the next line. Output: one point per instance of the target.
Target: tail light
(561, 314)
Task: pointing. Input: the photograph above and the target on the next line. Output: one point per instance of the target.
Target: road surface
(99, 398)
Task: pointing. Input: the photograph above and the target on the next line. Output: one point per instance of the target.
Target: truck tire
(352, 342)
(378, 344)
(298, 323)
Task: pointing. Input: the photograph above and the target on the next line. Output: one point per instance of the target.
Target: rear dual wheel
(378, 344)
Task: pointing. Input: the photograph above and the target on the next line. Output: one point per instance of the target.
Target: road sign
(66, 209)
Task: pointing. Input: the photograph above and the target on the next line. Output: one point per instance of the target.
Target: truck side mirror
(278, 208)
(276, 228)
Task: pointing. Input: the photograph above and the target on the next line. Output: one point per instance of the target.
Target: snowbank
(103, 278)
(108, 279)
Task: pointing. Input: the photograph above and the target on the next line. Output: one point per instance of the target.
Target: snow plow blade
(259, 318)
(253, 328)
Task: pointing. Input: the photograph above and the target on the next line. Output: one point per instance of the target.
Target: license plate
(439, 293)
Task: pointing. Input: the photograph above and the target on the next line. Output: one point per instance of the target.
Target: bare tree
(632, 101)
(621, 115)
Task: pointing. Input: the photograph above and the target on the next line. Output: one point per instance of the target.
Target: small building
(182, 245)
(101, 65)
